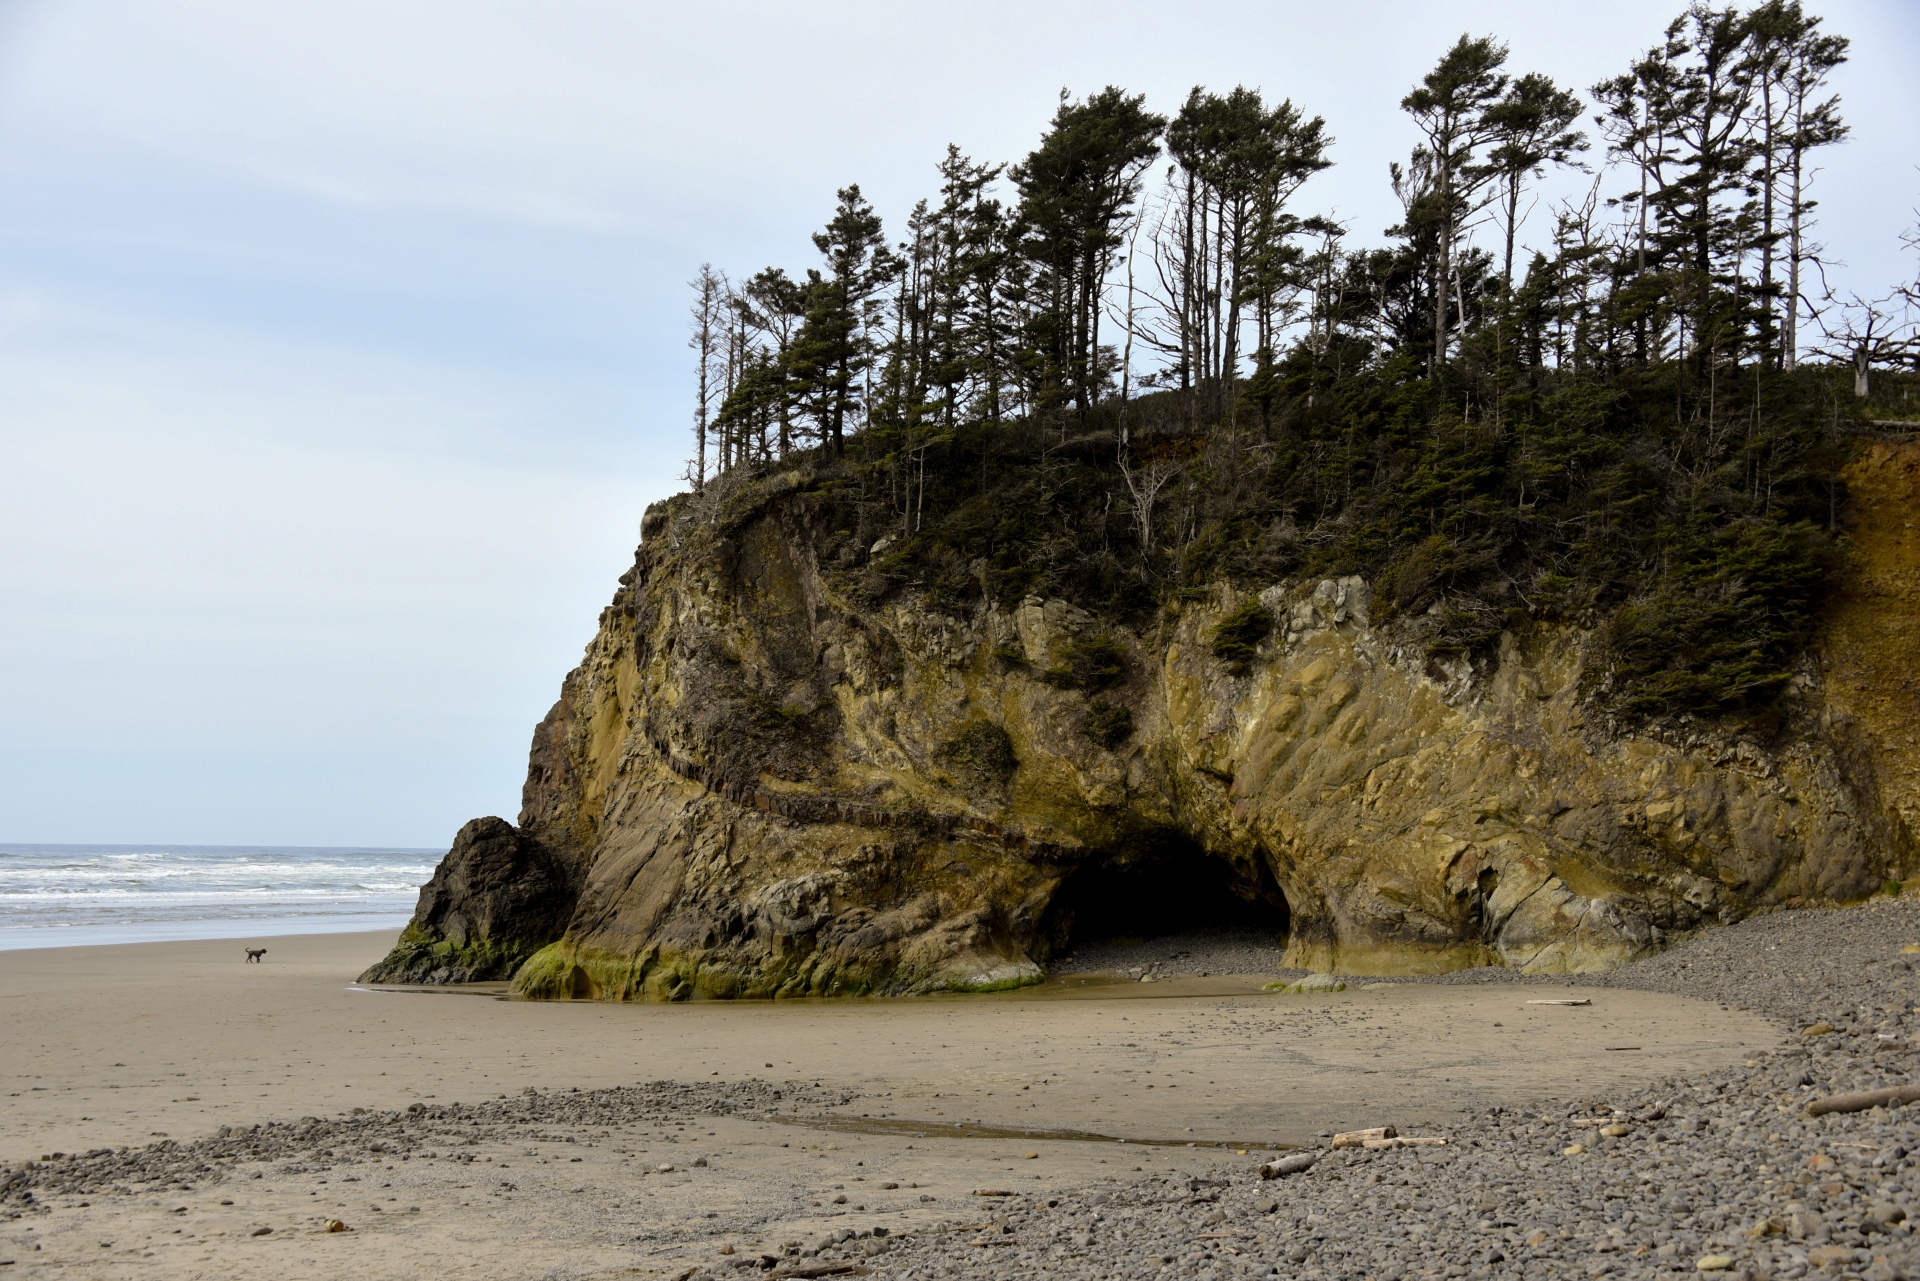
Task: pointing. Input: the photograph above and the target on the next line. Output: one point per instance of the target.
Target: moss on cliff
(570, 971)
(424, 956)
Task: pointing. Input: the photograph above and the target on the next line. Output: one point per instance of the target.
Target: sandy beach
(892, 1113)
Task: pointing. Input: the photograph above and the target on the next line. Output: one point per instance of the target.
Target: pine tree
(1706, 218)
(1227, 244)
(1076, 189)
(1531, 127)
(1453, 108)
(1634, 122)
(772, 305)
(1793, 59)
(834, 345)
(709, 316)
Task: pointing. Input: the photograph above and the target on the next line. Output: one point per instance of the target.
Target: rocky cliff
(754, 785)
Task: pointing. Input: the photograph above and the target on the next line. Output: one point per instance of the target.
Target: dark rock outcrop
(497, 898)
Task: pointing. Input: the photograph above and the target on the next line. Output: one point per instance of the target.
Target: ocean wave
(60, 886)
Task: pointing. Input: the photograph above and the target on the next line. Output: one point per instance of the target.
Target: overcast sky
(342, 344)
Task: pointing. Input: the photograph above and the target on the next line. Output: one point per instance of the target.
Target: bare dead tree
(1144, 485)
(1871, 332)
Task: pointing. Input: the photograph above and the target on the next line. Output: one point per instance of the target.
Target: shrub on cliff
(982, 752)
(1088, 663)
(1236, 638)
(1699, 554)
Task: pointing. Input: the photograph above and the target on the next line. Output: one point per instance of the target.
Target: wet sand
(127, 1045)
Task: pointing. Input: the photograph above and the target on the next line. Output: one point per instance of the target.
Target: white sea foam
(65, 895)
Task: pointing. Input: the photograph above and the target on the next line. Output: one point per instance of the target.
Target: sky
(342, 344)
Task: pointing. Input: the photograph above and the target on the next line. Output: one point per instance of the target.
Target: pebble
(317, 1144)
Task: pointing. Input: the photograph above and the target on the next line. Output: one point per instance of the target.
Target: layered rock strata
(755, 786)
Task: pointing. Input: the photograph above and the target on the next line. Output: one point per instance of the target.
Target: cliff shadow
(1158, 884)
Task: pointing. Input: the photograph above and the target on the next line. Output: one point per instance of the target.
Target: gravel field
(318, 1144)
(1722, 1174)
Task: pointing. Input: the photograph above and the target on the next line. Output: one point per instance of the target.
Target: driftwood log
(1297, 1164)
(1892, 1096)
(1354, 1138)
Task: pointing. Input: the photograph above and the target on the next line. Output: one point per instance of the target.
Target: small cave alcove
(1161, 884)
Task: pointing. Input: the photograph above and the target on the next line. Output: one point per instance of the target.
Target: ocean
(70, 895)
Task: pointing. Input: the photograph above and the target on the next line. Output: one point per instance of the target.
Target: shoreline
(116, 1027)
(31, 939)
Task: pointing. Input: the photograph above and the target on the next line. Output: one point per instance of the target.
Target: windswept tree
(1454, 108)
(1634, 120)
(1276, 274)
(1076, 189)
(1793, 60)
(772, 305)
(984, 279)
(1706, 215)
(707, 340)
(951, 358)
(1531, 127)
(1223, 248)
(1719, 120)
(834, 346)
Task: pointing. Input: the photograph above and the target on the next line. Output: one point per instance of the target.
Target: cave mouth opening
(1161, 884)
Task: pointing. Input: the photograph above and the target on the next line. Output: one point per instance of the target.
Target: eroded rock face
(753, 786)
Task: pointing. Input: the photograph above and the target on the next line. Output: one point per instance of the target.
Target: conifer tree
(1076, 189)
(1453, 107)
(983, 270)
(709, 318)
(1793, 59)
(1705, 216)
(1225, 238)
(1531, 126)
(834, 345)
(772, 304)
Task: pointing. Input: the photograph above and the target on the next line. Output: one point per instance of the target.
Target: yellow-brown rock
(760, 787)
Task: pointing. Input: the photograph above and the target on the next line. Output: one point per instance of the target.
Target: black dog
(254, 954)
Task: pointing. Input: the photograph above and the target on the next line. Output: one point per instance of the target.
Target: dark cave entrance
(1164, 884)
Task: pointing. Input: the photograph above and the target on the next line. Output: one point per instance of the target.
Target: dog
(254, 954)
